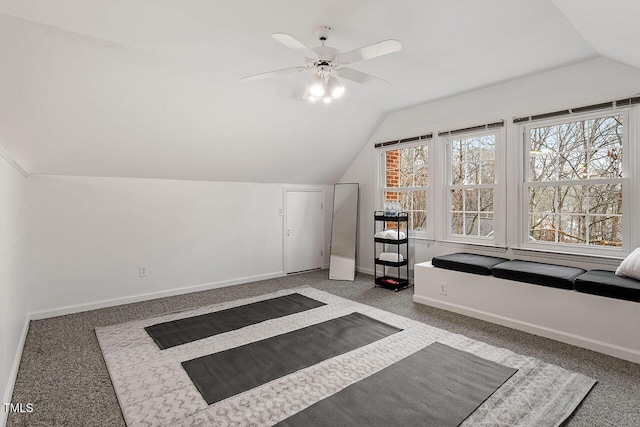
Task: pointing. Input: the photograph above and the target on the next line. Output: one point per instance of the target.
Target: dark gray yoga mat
(437, 386)
(182, 331)
(227, 373)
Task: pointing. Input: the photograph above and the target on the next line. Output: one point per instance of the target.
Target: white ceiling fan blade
(371, 51)
(360, 77)
(294, 44)
(272, 73)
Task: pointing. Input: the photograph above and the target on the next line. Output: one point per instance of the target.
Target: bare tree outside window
(472, 185)
(407, 181)
(575, 182)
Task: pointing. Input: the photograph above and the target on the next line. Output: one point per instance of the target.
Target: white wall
(585, 83)
(89, 235)
(13, 272)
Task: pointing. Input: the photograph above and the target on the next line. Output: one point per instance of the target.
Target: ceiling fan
(327, 61)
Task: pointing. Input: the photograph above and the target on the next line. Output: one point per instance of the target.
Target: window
(471, 186)
(406, 181)
(574, 182)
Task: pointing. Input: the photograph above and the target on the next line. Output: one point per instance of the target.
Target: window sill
(569, 256)
(422, 240)
(472, 245)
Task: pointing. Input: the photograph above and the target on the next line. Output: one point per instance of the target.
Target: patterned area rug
(154, 390)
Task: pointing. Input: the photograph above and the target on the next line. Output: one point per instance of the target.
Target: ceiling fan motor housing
(325, 54)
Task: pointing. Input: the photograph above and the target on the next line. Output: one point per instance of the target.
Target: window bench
(596, 309)
(607, 284)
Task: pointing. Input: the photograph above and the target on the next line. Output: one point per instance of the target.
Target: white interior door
(304, 230)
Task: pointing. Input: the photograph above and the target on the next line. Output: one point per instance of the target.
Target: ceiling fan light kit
(325, 60)
(325, 86)
(317, 86)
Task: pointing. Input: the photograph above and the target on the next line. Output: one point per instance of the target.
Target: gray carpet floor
(63, 374)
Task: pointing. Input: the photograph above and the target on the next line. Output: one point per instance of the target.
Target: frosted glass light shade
(335, 89)
(316, 86)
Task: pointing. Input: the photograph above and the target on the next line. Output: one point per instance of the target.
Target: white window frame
(499, 232)
(382, 177)
(629, 199)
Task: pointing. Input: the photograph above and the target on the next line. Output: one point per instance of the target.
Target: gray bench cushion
(468, 263)
(556, 276)
(607, 284)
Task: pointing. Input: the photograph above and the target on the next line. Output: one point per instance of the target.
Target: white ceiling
(148, 88)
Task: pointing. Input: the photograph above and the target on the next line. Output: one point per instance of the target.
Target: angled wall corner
(13, 272)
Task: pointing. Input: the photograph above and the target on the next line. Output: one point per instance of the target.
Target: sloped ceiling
(611, 27)
(147, 88)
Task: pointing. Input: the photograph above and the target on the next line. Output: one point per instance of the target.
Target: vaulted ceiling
(148, 88)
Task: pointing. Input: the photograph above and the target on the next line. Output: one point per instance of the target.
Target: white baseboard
(577, 340)
(77, 308)
(14, 371)
(368, 271)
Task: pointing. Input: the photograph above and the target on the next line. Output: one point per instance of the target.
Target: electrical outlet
(443, 288)
(143, 271)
